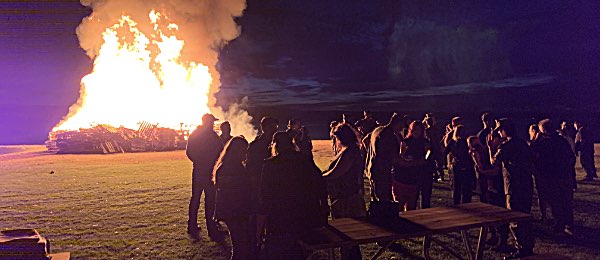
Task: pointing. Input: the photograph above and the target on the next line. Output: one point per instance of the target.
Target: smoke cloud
(205, 25)
(426, 53)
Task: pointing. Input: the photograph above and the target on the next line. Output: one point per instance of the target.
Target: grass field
(134, 206)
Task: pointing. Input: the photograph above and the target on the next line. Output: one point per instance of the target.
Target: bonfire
(139, 82)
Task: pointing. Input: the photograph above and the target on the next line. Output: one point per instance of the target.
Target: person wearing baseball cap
(203, 149)
(515, 156)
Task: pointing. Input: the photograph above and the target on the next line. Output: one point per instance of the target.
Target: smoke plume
(426, 53)
(205, 25)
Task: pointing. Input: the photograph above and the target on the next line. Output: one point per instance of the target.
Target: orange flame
(139, 77)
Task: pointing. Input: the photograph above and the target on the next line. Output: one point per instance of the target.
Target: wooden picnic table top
(439, 220)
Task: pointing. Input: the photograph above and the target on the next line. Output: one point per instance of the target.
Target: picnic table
(418, 223)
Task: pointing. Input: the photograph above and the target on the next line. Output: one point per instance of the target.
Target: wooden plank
(455, 215)
(467, 220)
(446, 210)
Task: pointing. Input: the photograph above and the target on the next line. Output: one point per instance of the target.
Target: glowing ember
(140, 77)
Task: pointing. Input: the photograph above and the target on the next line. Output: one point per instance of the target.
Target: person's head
(487, 119)
(333, 124)
(345, 118)
(234, 152)
(564, 126)
(282, 143)
(416, 129)
(268, 125)
(429, 120)
(506, 128)
(225, 128)
(367, 114)
(578, 125)
(534, 130)
(294, 124)
(459, 133)
(396, 122)
(546, 127)
(456, 121)
(474, 142)
(345, 136)
(208, 120)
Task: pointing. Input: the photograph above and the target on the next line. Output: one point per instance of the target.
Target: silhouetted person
(300, 137)
(584, 145)
(495, 186)
(383, 153)
(456, 121)
(565, 132)
(233, 205)
(344, 178)
(291, 199)
(435, 134)
(517, 162)
(461, 166)
(225, 132)
(203, 149)
(413, 174)
(555, 167)
(534, 133)
(367, 124)
(258, 152)
(489, 123)
(332, 127)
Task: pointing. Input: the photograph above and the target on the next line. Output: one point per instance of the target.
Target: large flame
(140, 77)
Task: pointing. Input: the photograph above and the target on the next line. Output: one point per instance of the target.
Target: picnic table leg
(467, 244)
(382, 249)
(481, 243)
(426, 246)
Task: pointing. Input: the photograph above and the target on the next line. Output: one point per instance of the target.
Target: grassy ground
(134, 205)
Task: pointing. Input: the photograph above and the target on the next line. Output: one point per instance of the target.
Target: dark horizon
(522, 59)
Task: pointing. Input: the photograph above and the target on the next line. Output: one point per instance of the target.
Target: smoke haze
(205, 26)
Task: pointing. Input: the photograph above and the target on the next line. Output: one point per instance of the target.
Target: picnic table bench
(418, 223)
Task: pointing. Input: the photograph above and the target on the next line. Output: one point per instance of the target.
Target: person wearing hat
(203, 149)
(517, 162)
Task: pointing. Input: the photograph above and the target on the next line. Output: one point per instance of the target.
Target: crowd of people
(269, 192)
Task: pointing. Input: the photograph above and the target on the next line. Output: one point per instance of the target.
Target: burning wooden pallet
(106, 139)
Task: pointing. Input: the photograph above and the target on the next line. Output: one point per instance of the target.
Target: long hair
(233, 152)
(282, 143)
(346, 135)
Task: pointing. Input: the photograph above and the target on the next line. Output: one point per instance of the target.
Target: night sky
(536, 57)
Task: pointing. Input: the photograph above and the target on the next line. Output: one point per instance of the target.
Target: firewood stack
(105, 139)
